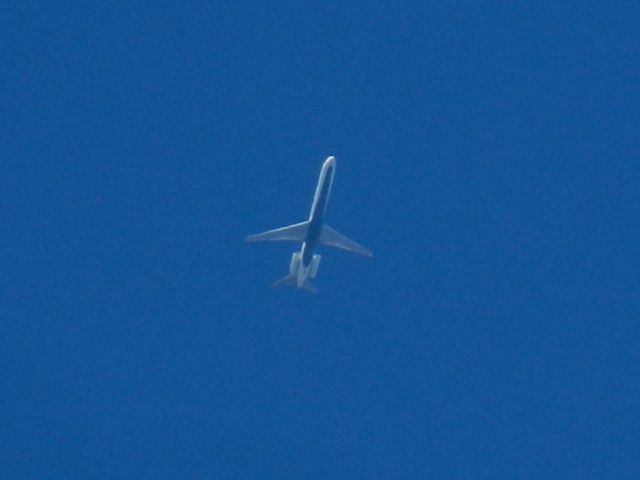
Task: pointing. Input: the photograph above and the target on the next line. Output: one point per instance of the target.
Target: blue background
(488, 155)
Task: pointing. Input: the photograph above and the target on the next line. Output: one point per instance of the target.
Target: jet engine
(315, 263)
(295, 262)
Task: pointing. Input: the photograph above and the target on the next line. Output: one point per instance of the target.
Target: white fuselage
(304, 264)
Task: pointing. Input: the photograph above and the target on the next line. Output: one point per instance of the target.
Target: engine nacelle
(295, 262)
(315, 264)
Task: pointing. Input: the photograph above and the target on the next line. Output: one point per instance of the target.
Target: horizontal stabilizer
(335, 239)
(290, 281)
(291, 233)
(286, 281)
(310, 286)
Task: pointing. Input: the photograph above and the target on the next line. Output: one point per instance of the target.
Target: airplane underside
(304, 264)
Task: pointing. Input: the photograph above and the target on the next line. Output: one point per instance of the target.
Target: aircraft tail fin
(290, 281)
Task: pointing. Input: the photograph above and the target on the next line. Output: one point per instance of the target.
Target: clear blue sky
(488, 155)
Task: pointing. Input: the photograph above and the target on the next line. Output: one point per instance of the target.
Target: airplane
(312, 232)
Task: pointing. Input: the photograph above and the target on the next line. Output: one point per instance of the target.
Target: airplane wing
(335, 239)
(291, 233)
